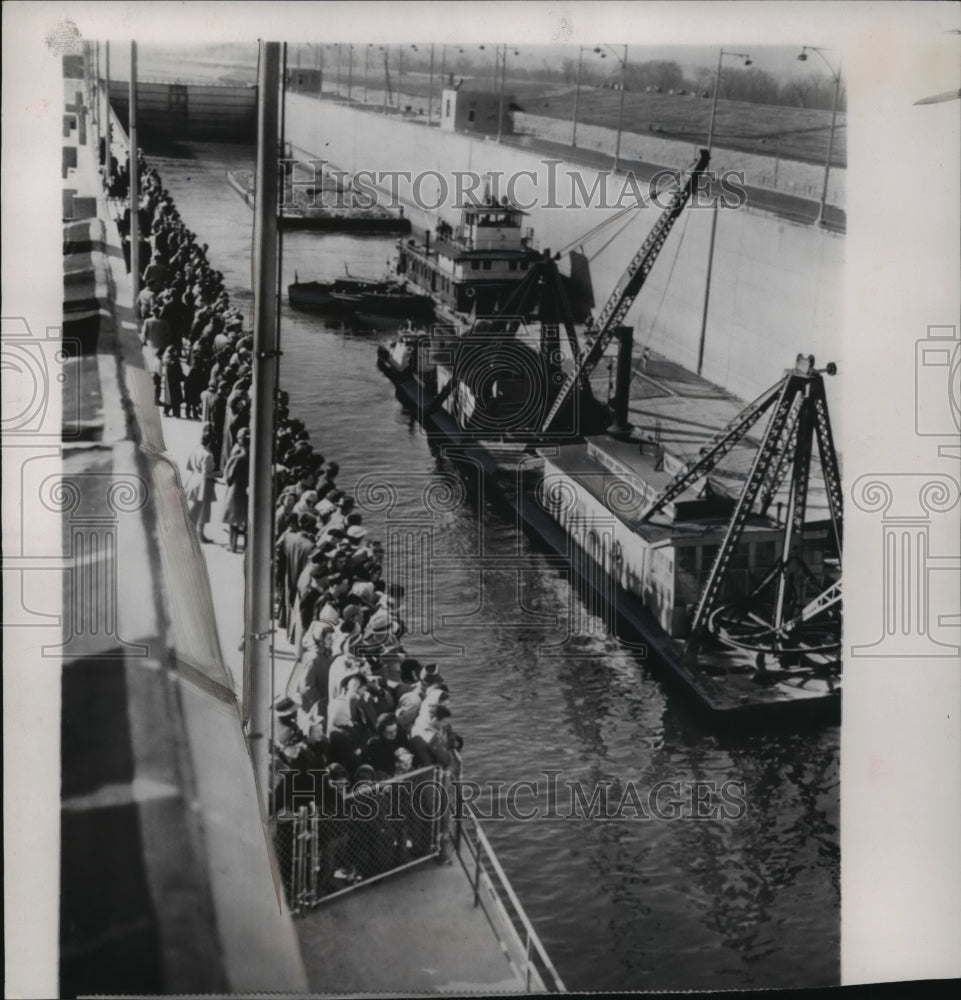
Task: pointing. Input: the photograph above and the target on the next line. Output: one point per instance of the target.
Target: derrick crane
(779, 616)
(625, 291)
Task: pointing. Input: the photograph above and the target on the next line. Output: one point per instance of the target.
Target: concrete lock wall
(805, 180)
(216, 113)
(776, 287)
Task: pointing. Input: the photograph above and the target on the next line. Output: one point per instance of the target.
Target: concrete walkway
(225, 569)
(414, 933)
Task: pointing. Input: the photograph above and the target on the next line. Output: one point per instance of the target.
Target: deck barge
(604, 483)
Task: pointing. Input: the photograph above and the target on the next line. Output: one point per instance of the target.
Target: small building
(304, 81)
(465, 110)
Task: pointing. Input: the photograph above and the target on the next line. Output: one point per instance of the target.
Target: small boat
(319, 295)
(391, 302)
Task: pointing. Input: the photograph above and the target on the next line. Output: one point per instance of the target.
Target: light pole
(577, 93)
(430, 89)
(350, 72)
(717, 87)
(710, 253)
(366, 67)
(337, 46)
(836, 75)
(500, 108)
(620, 112)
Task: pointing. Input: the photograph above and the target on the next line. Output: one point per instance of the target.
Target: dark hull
(399, 306)
(349, 224)
(317, 295)
(733, 702)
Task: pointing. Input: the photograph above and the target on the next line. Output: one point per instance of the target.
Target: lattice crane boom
(799, 416)
(625, 291)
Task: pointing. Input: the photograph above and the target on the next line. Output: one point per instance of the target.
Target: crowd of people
(356, 708)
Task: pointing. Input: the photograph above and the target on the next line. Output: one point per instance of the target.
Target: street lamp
(620, 112)
(500, 109)
(836, 75)
(577, 92)
(710, 253)
(717, 87)
(430, 88)
(400, 74)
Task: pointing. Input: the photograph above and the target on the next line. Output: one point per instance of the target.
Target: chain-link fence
(340, 840)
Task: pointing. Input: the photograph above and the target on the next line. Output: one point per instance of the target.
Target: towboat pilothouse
(474, 266)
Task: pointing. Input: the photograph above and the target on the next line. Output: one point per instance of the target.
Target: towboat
(474, 266)
(681, 533)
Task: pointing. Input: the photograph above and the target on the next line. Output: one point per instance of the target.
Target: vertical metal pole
(400, 75)
(430, 88)
(350, 72)
(338, 68)
(620, 113)
(622, 387)
(366, 68)
(134, 180)
(577, 95)
(827, 164)
(707, 292)
(500, 106)
(95, 92)
(477, 871)
(717, 87)
(257, 642)
(386, 75)
(106, 97)
(777, 161)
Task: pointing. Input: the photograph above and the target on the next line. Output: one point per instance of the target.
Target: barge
(346, 215)
(720, 547)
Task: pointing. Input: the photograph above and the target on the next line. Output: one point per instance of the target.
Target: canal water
(667, 895)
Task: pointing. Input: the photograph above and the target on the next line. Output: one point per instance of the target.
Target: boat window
(512, 265)
(523, 265)
(487, 265)
(475, 265)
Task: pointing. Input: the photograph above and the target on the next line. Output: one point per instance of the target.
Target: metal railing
(495, 895)
(332, 846)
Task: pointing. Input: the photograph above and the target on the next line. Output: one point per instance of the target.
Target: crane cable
(594, 230)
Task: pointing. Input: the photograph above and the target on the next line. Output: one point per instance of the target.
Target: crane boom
(625, 291)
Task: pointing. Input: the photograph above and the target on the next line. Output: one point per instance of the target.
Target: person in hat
(431, 737)
(284, 516)
(345, 659)
(200, 489)
(293, 552)
(172, 381)
(382, 747)
(310, 676)
(356, 533)
(346, 725)
(236, 476)
(286, 732)
(408, 706)
(376, 699)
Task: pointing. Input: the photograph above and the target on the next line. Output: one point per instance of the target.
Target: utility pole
(577, 95)
(258, 659)
(134, 176)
